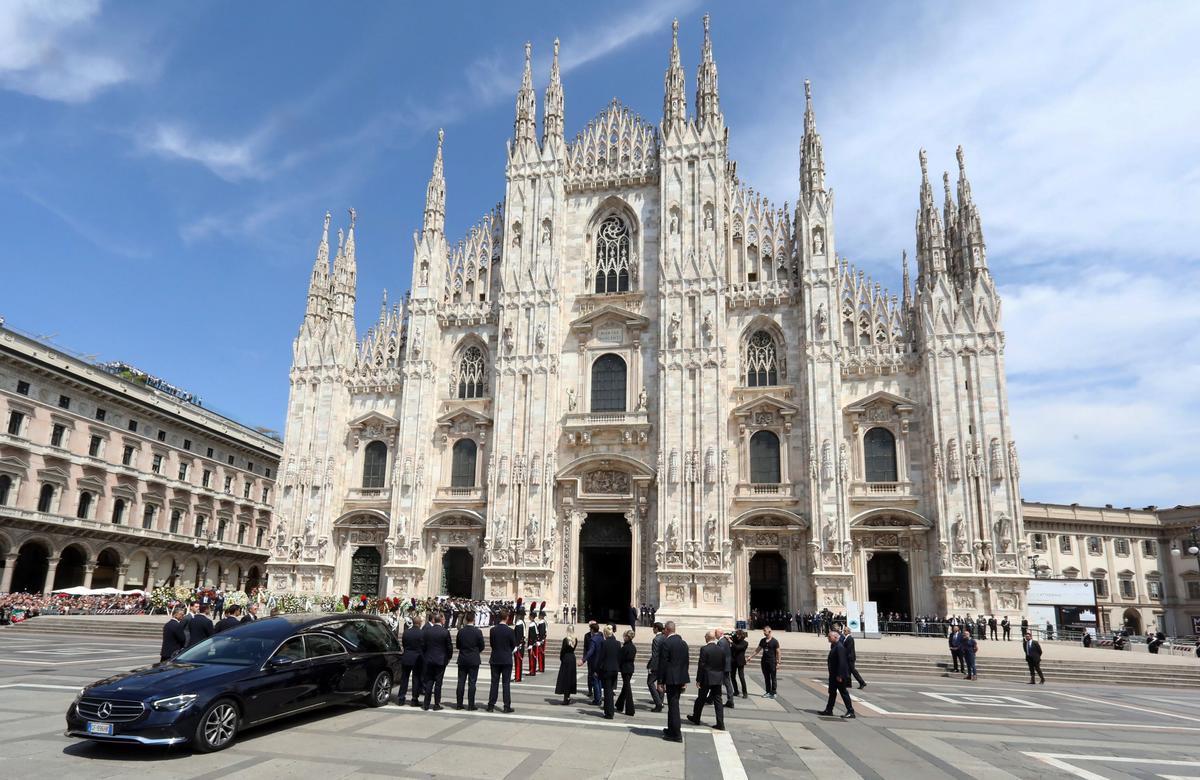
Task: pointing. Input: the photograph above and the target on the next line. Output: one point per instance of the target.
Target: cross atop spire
(931, 245)
(525, 126)
(552, 106)
(708, 104)
(812, 152)
(674, 100)
(964, 186)
(435, 194)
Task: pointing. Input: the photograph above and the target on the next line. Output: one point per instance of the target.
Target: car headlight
(175, 703)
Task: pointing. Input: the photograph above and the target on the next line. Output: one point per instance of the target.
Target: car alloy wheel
(381, 689)
(218, 727)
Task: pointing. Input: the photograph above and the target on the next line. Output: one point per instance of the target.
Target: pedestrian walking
(174, 638)
(727, 649)
(652, 668)
(852, 656)
(969, 647)
(1033, 657)
(591, 651)
(504, 644)
(710, 680)
(839, 675)
(672, 678)
(567, 685)
(470, 646)
(628, 658)
(739, 646)
(768, 646)
(609, 666)
(412, 642)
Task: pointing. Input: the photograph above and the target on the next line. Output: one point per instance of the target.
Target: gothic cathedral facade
(637, 381)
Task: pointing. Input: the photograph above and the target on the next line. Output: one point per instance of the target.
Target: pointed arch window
(612, 256)
(374, 464)
(764, 458)
(472, 374)
(608, 384)
(879, 455)
(462, 472)
(762, 360)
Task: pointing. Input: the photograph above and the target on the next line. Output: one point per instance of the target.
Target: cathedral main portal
(364, 572)
(458, 572)
(606, 568)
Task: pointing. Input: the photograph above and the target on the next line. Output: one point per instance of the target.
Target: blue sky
(164, 169)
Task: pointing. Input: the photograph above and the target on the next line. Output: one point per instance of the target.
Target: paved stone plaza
(928, 727)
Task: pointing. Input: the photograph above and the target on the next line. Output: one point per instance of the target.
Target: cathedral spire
(970, 228)
(552, 106)
(905, 282)
(812, 153)
(674, 100)
(708, 104)
(525, 126)
(435, 194)
(930, 240)
(345, 271)
(318, 285)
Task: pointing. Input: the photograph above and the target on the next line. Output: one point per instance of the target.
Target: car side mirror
(280, 662)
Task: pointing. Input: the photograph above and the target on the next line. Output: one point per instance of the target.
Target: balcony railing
(764, 490)
(882, 491)
(607, 418)
(370, 494)
(471, 494)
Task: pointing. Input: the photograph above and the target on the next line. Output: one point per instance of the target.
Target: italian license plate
(100, 728)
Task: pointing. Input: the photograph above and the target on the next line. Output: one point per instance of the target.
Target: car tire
(381, 689)
(218, 726)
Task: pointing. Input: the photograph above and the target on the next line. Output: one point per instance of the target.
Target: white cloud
(45, 51)
(1103, 370)
(1079, 122)
(231, 160)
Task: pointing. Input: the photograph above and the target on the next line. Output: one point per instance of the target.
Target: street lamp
(1034, 565)
(1193, 548)
(208, 542)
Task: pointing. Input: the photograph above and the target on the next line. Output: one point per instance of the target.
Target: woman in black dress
(738, 647)
(628, 657)
(565, 685)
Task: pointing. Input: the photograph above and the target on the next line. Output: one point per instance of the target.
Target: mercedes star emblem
(104, 710)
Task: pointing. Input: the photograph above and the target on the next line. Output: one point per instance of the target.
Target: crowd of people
(18, 607)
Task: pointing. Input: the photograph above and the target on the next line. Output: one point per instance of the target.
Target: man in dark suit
(839, 675)
(1006, 627)
(672, 678)
(652, 668)
(710, 679)
(413, 642)
(438, 651)
(504, 642)
(727, 649)
(199, 627)
(1033, 657)
(192, 610)
(608, 666)
(591, 651)
(251, 613)
(229, 621)
(852, 656)
(174, 637)
(470, 645)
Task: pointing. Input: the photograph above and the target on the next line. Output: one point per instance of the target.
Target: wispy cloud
(231, 160)
(47, 49)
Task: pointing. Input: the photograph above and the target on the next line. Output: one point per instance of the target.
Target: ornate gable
(617, 148)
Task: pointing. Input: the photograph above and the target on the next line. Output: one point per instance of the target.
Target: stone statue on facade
(571, 402)
(643, 399)
(673, 330)
(322, 543)
(401, 527)
(710, 534)
(532, 527)
(959, 531)
(310, 528)
(673, 533)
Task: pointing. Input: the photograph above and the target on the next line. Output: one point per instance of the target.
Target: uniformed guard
(519, 630)
(542, 631)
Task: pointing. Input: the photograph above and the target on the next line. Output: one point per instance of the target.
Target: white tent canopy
(79, 590)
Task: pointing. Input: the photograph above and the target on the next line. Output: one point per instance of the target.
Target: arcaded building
(111, 478)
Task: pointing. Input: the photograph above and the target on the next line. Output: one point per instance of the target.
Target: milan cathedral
(636, 380)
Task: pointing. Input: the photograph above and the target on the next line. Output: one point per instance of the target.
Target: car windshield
(233, 650)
